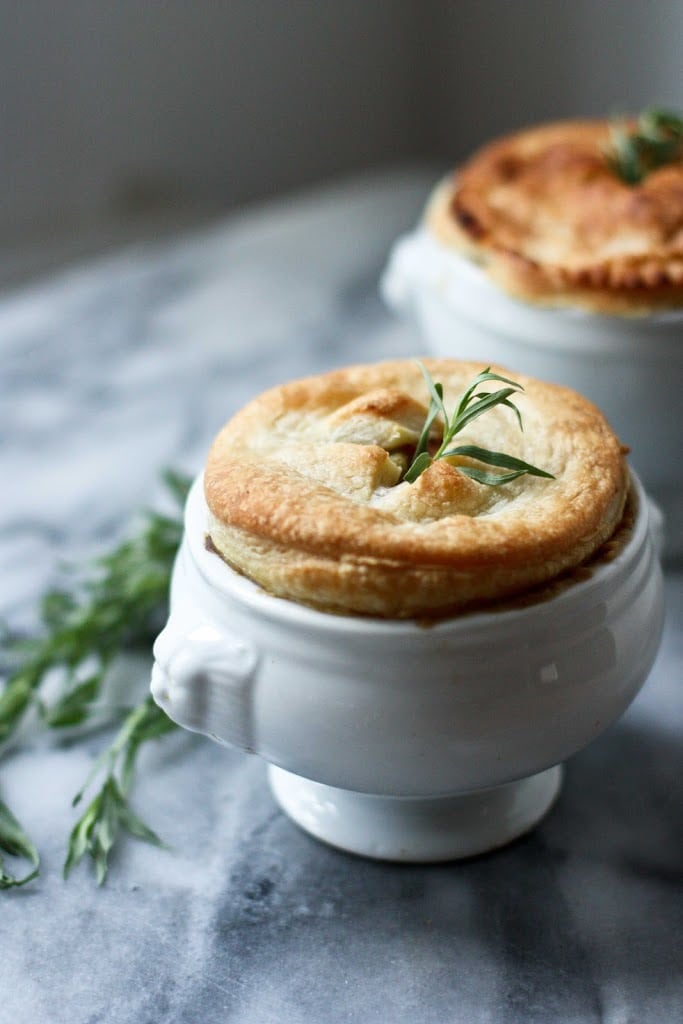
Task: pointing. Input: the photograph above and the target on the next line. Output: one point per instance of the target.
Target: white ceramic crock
(632, 368)
(397, 740)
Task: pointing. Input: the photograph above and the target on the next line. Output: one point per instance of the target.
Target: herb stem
(97, 829)
(118, 606)
(470, 406)
(13, 840)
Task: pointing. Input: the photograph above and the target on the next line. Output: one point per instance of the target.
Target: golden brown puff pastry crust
(551, 222)
(304, 493)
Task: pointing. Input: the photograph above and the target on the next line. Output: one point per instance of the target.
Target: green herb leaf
(137, 828)
(13, 840)
(75, 706)
(436, 394)
(479, 407)
(481, 378)
(471, 405)
(499, 459)
(490, 479)
(417, 467)
(14, 700)
(654, 122)
(119, 604)
(97, 830)
(656, 141)
(435, 407)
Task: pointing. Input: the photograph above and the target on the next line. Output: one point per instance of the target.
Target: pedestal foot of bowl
(416, 829)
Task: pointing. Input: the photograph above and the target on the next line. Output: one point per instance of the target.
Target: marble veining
(112, 370)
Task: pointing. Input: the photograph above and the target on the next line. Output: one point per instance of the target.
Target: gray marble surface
(115, 369)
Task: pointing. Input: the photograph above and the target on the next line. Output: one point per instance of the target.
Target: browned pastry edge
(321, 523)
(606, 553)
(550, 222)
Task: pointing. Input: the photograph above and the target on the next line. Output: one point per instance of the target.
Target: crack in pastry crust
(321, 516)
(550, 221)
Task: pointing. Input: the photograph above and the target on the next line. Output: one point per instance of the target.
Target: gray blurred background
(124, 117)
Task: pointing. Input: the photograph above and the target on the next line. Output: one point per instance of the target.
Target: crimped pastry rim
(568, 312)
(462, 212)
(423, 273)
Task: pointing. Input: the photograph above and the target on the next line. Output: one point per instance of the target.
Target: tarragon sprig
(656, 140)
(108, 812)
(13, 840)
(472, 404)
(118, 607)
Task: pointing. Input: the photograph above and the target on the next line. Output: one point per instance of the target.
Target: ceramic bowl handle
(202, 678)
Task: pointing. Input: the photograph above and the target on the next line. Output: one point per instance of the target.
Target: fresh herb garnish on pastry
(653, 141)
(472, 404)
(319, 491)
(574, 213)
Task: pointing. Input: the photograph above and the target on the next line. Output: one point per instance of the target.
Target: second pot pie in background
(562, 214)
(308, 493)
(559, 250)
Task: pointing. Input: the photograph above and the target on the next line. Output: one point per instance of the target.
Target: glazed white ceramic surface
(398, 710)
(632, 368)
(417, 829)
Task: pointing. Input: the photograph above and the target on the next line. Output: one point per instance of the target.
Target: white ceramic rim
(421, 263)
(225, 580)
(467, 266)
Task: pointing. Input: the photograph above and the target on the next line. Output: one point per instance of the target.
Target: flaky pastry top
(306, 497)
(550, 221)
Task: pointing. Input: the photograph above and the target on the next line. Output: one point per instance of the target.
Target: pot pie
(307, 494)
(548, 217)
